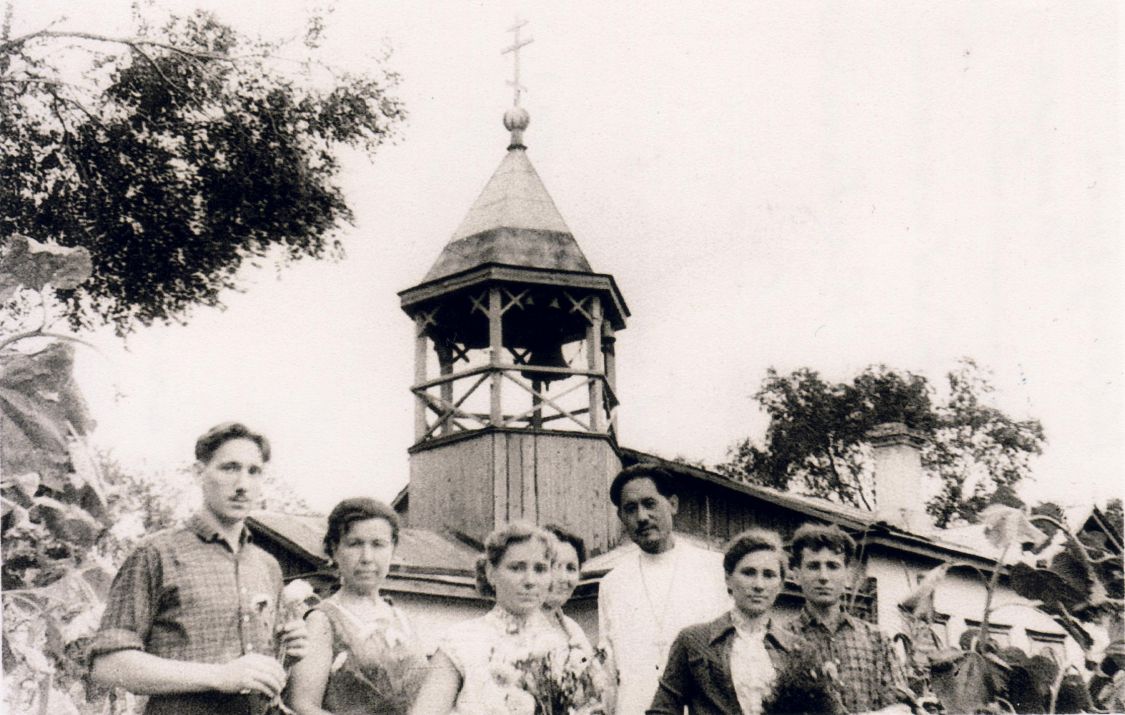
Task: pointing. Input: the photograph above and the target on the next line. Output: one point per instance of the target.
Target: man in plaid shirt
(869, 675)
(190, 618)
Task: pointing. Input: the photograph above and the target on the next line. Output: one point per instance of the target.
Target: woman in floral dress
(514, 660)
(363, 656)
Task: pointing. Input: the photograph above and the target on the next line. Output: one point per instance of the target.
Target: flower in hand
(805, 685)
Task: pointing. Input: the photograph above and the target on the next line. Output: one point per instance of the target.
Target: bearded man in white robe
(657, 589)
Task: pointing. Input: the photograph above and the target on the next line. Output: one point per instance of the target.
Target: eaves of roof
(860, 522)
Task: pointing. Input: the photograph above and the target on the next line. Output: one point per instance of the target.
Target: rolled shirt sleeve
(130, 606)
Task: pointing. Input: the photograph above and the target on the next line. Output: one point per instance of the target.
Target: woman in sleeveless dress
(363, 656)
(514, 660)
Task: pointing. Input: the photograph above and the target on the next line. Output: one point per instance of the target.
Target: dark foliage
(816, 437)
(184, 154)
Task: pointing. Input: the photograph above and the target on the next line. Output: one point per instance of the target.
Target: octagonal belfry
(515, 401)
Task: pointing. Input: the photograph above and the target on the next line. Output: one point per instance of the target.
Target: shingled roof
(424, 561)
(513, 222)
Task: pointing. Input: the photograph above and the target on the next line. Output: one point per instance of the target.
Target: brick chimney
(897, 451)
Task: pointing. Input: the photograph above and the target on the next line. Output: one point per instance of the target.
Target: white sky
(786, 184)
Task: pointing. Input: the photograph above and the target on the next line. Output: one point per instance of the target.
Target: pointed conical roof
(513, 222)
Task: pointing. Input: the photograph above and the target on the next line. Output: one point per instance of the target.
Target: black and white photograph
(519, 357)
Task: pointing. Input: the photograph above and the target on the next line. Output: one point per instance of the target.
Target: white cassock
(642, 605)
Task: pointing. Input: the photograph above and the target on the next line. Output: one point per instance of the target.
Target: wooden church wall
(565, 480)
(715, 514)
(472, 484)
(451, 487)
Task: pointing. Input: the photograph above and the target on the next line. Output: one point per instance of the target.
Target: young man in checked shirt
(190, 618)
(869, 675)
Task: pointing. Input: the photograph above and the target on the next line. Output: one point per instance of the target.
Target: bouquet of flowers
(382, 665)
(805, 685)
(567, 681)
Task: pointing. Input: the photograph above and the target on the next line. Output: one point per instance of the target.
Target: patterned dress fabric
(515, 666)
(377, 666)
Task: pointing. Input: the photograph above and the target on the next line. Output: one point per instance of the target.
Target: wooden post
(609, 340)
(594, 350)
(419, 377)
(445, 367)
(537, 404)
(496, 348)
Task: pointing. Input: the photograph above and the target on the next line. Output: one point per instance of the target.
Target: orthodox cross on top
(515, 50)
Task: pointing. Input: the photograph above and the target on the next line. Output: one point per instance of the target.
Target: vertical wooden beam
(594, 350)
(496, 348)
(537, 403)
(609, 345)
(445, 367)
(419, 377)
(501, 509)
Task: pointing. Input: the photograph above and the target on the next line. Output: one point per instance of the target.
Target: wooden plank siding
(716, 514)
(472, 484)
(451, 489)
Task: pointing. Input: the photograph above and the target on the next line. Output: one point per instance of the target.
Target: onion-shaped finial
(516, 120)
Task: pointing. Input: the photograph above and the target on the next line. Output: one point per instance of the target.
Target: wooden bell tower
(514, 383)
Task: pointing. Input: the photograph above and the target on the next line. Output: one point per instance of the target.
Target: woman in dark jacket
(727, 666)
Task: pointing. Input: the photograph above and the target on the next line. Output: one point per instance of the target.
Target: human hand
(294, 639)
(251, 673)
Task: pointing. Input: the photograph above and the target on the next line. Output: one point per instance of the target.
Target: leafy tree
(183, 152)
(976, 449)
(816, 438)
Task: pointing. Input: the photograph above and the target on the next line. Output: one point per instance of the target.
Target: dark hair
(661, 478)
(349, 511)
(816, 537)
(750, 541)
(497, 543)
(210, 441)
(568, 538)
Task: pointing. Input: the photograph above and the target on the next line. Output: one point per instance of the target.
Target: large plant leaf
(70, 523)
(1074, 565)
(1006, 526)
(27, 263)
(39, 405)
(1045, 586)
(920, 602)
(1073, 696)
(1055, 512)
(26, 484)
(1029, 684)
(968, 687)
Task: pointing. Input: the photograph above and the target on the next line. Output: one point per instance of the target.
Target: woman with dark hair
(570, 552)
(728, 665)
(363, 656)
(504, 660)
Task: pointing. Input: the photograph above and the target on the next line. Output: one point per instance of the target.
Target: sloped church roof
(514, 221)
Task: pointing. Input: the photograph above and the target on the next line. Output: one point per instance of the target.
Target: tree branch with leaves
(816, 440)
(177, 155)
